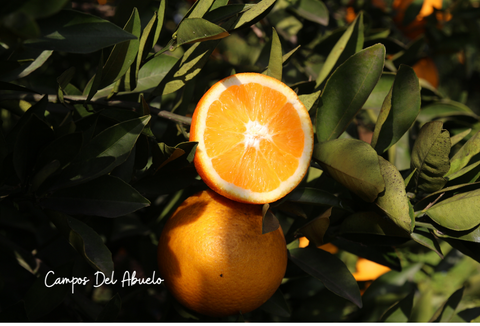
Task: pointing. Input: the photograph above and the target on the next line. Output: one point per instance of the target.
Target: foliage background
(94, 152)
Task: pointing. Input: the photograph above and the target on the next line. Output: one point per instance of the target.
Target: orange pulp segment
(255, 138)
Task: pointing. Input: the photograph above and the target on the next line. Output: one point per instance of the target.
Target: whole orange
(214, 258)
(426, 69)
(416, 27)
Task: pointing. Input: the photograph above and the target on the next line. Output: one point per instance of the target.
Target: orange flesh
(253, 137)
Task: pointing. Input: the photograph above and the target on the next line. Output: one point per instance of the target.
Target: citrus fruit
(255, 138)
(214, 258)
(425, 68)
(417, 26)
(368, 270)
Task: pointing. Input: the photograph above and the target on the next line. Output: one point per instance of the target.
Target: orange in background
(426, 69)
(366, 270)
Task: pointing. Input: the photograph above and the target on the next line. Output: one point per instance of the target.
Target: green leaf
(85, 241)
(275, 63)
(394, 201)
(123, 55)
(311, 101)
(399, 110)
(466, 152)
(430, 156)
(350, 43)
(312, 10)
(458, 213)
(458, 137)
(315, 230)
(445, 193)
(251, 16)
(103, 153)
(370, 223)
(269, 220)
(105, 196)
(312, 196)
(330, 270)
(199, 30)
(347, 90)
(111, 310)
(76, 32)
(425, 238)
(471, 236)
(94, 84)
(353, 163)
(401, 311)
(220, 13)
(277, 305)
(446, 312)
(443, 109)
(43, 8)
(26, 69)
(150, 34)
(186, 68)
(382, 88)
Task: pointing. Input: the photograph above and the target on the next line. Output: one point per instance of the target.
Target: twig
(80, 99)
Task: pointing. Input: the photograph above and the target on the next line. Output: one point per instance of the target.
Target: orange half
(255, 138)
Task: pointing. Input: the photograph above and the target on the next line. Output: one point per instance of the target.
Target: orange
(214, 258)
(368, 270)
(255, 138)
(417, 27)
(426, 69)
(331, 248)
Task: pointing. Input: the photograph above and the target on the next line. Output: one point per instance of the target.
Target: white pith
(254, 133)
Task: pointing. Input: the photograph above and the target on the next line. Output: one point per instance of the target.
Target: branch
(80, 99)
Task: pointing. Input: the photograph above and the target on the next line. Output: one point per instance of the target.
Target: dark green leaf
(430, 156)
(111, 310)
(443, 109)
(312, 10)
(44, 8)
(103, 153)
(27, 68)
(105, 196)
(383, 255)
(62, 149)
(42, 297)
(370, 223)
(445, 193)
(401, 311)
(316, 229)
(350, 43)
(44, 173)
(123, 55)
(275, 63)
(472, 236)
(85, 241)
(394, 201)
(353, 163)
(94, 84)
(77, 32)
(251, 16)
(330, 270)
(150, 34)
(426, 239)
(347, 90)
(399, 110)
(311, 101)
(199, 30)
(221, 13)
(447, 311)
(458, 213)
(269, 221)
(277, 305)
(319, 197)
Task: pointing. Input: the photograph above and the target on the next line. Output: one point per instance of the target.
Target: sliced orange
(255, 138)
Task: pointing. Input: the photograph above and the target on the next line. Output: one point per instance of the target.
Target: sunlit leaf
(313, 10)
(350, 43)
(275, 63)
(354, 164)
(198, 30)
(347, 90)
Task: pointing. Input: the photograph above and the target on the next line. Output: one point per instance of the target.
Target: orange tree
(96, 102)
